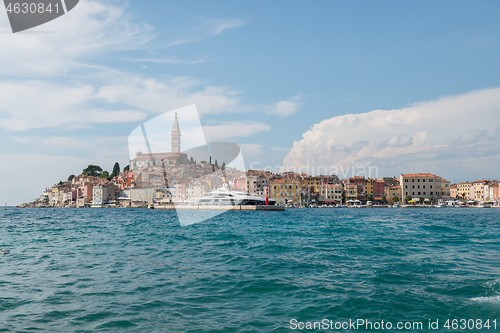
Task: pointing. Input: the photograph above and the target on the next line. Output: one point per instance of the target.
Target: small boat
(5, 251)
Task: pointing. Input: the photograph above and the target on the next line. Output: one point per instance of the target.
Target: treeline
(97, 171)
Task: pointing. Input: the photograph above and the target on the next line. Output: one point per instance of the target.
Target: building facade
(420, 185)
(285, 191)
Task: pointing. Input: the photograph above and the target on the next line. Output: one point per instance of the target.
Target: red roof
(419, 175)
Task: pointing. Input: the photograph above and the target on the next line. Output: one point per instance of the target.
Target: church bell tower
(175, 142)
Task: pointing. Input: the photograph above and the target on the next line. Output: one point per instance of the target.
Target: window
(424, 193)
(418, 180)
(413, 186)
(418, 186)
(431, 186)
(423, 186)
(418, 193)
(423, 180)
(413, 180)
(432, 193)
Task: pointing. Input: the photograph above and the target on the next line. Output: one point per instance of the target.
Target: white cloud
(233, 129)
(40, 96)
(251, 151)
(286, 108)
(39, 104)
(169, 60)
(208, 28)
(88, 32)
(113, 147)
(441, 134)
(218, 26)
(161, 96)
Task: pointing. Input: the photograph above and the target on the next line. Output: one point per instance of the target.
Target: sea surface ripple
(87, 270)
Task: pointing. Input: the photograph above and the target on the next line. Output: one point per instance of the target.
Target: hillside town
(153, 185)
(174, 177)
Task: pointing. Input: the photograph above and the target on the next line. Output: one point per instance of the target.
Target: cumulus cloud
(449, 130)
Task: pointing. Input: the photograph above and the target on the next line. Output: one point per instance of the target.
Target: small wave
(492, 299)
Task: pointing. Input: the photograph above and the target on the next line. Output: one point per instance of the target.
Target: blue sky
(263, 72)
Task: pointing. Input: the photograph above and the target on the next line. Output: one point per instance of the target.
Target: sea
(301, 270)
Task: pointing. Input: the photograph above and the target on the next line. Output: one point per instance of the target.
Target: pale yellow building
(285, 191)
(350, 192)
(393, 191)
(464, 190)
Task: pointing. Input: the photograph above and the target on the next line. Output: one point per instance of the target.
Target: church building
(175, 157)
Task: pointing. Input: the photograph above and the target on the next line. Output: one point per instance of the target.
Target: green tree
(216, 164)
(203, 162)
(92, 170)
(395, 199)
(116, 170)
(421, 200)
(433, 200)
(191, 160)
(223, 167)
(106, 175)
(60, 182)
(70, 178)
(408, 198)
(370, 198)
(127, 168)
(383, 199)
(210, 160)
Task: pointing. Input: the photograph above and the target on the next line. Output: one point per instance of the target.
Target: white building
(420, 185)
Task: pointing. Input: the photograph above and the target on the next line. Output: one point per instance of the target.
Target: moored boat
(224, 196)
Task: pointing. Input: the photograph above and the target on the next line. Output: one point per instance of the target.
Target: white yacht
(224, 196)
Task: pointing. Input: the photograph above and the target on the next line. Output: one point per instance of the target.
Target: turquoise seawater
(138, 270)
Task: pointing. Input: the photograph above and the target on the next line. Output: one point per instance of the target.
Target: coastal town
(168, 178)
(148, 187)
